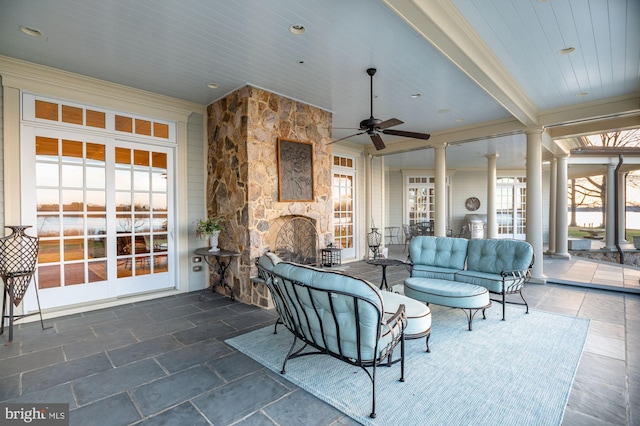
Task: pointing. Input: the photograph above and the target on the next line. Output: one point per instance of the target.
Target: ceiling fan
(374, 126)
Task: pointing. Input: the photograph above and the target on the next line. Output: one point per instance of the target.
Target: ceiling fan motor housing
(370, 123)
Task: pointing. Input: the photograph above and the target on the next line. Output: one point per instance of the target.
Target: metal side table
(219, 262)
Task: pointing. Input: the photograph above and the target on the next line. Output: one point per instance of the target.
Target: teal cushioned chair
(336, 314)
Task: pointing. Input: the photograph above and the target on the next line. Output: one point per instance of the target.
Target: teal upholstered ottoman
(468, 297)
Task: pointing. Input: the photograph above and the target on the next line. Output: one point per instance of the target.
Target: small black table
(222, 260)
(384, 263)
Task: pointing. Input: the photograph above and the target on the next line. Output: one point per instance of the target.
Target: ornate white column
(562, 226)
(610, 209)
(553, 190)
(440, 223)
(622, 203)
(492, 217)
(534, 201)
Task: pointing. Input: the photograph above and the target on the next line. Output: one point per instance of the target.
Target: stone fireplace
(242, 179)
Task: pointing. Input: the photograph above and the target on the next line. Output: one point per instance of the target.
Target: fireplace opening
(296, 240)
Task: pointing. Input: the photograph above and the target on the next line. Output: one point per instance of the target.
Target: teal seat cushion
(492, 282)
(440, 252)
(426, 271)
(498, 255)
(447, 293)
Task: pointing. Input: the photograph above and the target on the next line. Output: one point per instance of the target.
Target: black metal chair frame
(512, 283)
(296, 319)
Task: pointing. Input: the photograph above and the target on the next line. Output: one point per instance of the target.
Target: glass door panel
(344, 226)
(101, 211)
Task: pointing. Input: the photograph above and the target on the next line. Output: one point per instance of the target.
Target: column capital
(534, 130)
(440, 145)
(496, 155)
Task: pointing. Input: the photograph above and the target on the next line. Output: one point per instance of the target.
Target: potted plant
(210, 228)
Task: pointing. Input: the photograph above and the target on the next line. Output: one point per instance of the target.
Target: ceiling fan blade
(389, 123)
(377, 141)
(347, 137)
(413, 135)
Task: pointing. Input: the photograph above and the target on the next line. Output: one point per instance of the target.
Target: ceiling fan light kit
(374, 126)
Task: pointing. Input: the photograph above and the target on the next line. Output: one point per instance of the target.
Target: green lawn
(574, 232)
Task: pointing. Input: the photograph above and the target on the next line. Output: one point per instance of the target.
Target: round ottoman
(468, 297)
(418, 315)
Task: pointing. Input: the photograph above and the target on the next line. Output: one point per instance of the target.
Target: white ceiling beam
(442, 25)
(456, 136)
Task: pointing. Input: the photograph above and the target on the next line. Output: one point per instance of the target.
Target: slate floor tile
(47, 377)
(183, 414)
(9, 387)
(61, 394)
(202, 332)
(31, 361)
(116, 380)
(234, 365)
(599, 400)
(301, 408)
(117, 410)
(97, 344)
(174, 389)
(144, 349)
(238, 399)
(195, 354)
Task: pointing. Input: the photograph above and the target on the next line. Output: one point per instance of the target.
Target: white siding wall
(395, 200)
(465, 184)
(196, 176)
(2, 223)
(378, 194)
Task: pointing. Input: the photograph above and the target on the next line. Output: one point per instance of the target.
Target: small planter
(636, 242)
(213, 241)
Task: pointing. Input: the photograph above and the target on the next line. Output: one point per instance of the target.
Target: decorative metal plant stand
(18, 257)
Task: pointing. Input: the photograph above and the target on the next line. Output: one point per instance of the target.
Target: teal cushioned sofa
(502, 266)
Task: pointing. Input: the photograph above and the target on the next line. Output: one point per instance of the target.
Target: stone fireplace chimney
(242, 176)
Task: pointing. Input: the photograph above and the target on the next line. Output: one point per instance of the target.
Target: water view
(593, 219)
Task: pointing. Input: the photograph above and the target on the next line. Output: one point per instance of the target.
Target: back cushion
(497, 255)
(444, 252)
(322, 316)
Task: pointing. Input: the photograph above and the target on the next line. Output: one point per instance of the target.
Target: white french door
(420, 199)
(511, 201)
(344, 229)
(102, 208)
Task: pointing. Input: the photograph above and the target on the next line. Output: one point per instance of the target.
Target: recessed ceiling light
(444, 111)
(567, 50)
(30, 31)
(297, 29)
(582, 94)
(416, 95)
(459, 120)
(213, 85)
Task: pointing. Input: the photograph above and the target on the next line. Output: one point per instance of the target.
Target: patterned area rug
(514, 372)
